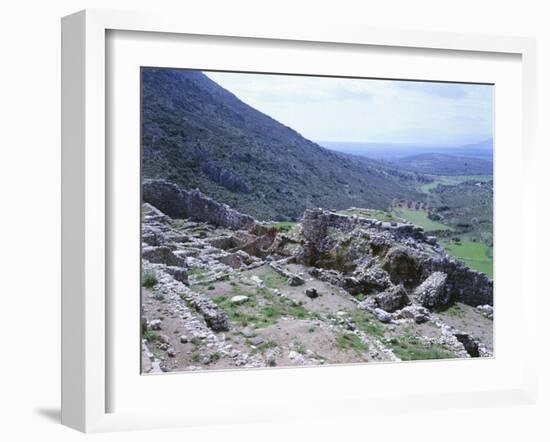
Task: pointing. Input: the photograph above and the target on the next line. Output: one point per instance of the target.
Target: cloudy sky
(360, 110)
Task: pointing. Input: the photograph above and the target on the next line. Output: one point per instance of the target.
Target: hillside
(199, 135)
(443, 164)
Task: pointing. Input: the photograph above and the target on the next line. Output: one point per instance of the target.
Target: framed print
(250, 214)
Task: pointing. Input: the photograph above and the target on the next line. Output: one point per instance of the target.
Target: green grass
(350, 341)
(150, 335)
(199, 273)
(149, 279)
(475, 255)
(263, 347)
(410, 348)
(284, 226)
(366, 323)
(420, 218)
(453, 310)
(196, 342)
(214, 357)
(259, 314)
(372, 214)
(452, 180)
(271, 278)
(299, 347)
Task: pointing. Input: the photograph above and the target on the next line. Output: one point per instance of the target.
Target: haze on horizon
(327, 109)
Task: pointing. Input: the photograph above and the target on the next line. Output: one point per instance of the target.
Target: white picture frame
(86, 215)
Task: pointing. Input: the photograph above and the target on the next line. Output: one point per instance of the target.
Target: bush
(149, 279)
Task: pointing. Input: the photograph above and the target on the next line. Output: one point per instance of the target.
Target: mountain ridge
(199, 135)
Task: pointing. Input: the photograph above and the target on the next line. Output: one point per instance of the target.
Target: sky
(365, 110)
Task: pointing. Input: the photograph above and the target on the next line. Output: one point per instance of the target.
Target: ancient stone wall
(179, 203)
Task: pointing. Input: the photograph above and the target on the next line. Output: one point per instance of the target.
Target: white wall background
(30, 221)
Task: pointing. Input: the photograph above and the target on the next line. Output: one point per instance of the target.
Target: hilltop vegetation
(199, 135)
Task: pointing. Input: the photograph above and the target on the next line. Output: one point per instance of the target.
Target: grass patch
(475, 255)
(261, 310)
(214, 357)
(420, 218)
(353, 342)
(198, 273)
(271, 278)
(196, 342)
(367, 323)
(452, 181)
(245, 314)
(263, 347)
(179, 223)
(149, 279)
(453, 310)
(145, 211)
(379, 215)
(410, 348)
(284, 226)
(299, 347)
(150, 335)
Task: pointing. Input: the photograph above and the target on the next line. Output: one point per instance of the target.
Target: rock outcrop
(432, 293)
(375, 256)
(179, 203)
(392, 299)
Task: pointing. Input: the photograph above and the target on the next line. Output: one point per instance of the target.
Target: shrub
(149, 279)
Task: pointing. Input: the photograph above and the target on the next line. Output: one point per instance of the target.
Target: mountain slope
(197, 134)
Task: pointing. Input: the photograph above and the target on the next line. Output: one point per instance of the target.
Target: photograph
(305, 220)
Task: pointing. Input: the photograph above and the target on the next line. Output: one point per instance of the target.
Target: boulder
(295, 281)
(415, 312)
(239, 299)
(247, 332)
(432, 292)
(257, 340)
(372, 278)
(155, 324)
(312, 293)
(382, 315)
(392, 299)
(486, 310)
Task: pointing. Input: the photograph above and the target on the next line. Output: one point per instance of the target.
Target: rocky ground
(222, 291)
